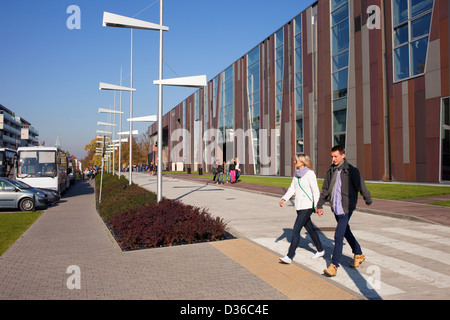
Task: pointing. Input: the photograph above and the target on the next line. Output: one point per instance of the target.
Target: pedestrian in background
(340, 187)
(304, 187)
(232, 171)
(227, 170)
(237, 168)
(214, 169)
(219, 171)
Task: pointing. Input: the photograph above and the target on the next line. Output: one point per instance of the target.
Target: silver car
(15, 194)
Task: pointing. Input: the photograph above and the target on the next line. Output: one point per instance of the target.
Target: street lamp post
(106, 86)
(143, 119)
(193, 82)
(109, 111)
(114, 20)
(118, 21)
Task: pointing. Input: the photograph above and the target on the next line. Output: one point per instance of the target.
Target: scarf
(299, 173)
(334, 172)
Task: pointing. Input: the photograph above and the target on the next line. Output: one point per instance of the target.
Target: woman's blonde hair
(305, 159)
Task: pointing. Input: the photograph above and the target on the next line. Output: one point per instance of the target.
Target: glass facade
(214, 104)
(279, 68)
(185, 127)
(226, 119)
(279, 62)
(196, 127)
(299, 146)
(411, 21)
(340, 43)
(445, 139)
(205, 108)
(253, 86)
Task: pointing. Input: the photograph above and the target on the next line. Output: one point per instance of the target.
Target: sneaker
(286, 260)
(318, 254)
(357, 260)
(331, 270)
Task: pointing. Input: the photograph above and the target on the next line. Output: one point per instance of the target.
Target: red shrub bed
(166, 223)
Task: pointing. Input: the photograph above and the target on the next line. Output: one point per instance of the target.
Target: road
(404, 259)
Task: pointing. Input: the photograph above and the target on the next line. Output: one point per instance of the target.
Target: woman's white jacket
(309, 183)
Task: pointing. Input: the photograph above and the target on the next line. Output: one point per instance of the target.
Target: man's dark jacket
(352, 183)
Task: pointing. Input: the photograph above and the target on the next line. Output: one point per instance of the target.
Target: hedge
(137, 221)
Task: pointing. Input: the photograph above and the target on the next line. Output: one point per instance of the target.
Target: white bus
(8, 159)
(43, 167)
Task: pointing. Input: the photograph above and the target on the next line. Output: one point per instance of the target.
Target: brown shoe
(357, 260)
(331, 270)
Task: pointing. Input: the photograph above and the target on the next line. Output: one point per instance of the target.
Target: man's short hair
(338, 148)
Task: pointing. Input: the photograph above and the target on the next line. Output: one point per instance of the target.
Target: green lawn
(13, 225)
(387, 191)
(441, 203)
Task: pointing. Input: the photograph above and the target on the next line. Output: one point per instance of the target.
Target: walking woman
(304, 187)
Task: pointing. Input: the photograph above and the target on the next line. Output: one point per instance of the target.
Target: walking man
(340, 187)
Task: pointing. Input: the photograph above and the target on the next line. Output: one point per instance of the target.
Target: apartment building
(16, 131)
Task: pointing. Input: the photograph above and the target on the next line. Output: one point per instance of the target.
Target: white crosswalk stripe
(404, 246)
(420, 235)
(408, 269)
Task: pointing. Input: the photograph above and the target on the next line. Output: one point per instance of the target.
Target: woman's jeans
(303, 220)
(343, 231)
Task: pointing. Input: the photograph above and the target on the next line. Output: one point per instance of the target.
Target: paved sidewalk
(409, 209)
(72, 234)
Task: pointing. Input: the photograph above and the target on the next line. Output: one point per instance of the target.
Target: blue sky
(50, 74)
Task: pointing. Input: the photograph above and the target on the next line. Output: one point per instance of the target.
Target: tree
(92, 159)
(141, 147)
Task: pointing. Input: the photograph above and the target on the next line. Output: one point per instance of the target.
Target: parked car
(15, 194)
(52, 195)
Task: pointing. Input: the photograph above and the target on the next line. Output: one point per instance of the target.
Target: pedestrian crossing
(401, 262)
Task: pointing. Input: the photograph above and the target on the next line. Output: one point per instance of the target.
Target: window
(340, 43)
(279, 63)
(205, 108)
(214, 104)
(253, 85)
(196, 106)
(196, 126)
(299, 146)
(37, 164)
(279, 66)
(226, 120)
(412, 21)
(445, 139)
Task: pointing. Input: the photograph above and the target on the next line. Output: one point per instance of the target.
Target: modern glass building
(372, 75)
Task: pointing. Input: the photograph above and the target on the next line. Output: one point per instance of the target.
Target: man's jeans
(343, 231)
